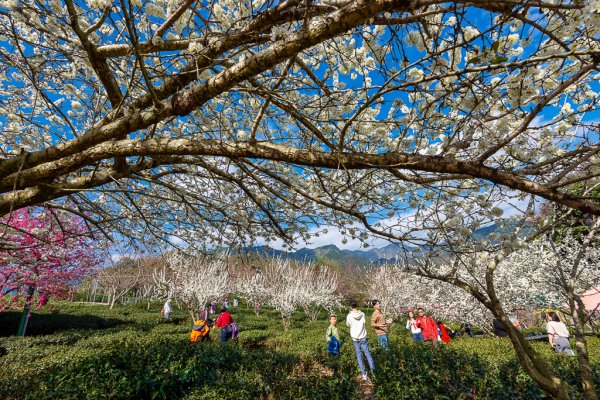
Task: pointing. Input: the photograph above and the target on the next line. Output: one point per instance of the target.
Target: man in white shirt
(356, 322)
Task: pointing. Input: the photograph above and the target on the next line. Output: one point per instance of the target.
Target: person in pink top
(428, 328)
(224, 322)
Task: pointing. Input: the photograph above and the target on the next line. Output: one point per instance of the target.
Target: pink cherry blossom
(43, 250)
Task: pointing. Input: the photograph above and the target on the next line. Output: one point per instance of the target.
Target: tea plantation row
(90, 352)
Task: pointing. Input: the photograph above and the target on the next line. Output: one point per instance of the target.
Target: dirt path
(366, 389)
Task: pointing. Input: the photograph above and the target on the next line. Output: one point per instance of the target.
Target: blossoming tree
(293, 108)
(320, 284)
(252, 287)
(43, 252)
(195, 280)
(400, 290)
(539, 274)
(287, 286)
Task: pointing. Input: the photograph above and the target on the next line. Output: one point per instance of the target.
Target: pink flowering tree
(43, 252)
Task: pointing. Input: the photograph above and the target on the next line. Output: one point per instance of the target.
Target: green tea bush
(145, 356)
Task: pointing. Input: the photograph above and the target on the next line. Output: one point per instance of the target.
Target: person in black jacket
(499, 328)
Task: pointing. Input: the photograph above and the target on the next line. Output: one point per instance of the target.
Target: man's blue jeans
(225, 333)
(383, 341)
(363, 345)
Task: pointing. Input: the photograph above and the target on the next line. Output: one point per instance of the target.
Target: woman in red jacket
(428, 328)
(224, 321)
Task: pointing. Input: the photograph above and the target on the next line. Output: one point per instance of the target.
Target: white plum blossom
(415, 74)
(194, 47)
(196, 280)
(470, 32)
(99, 4)
(286, 287)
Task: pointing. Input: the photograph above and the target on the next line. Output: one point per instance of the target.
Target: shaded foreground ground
(89, 351)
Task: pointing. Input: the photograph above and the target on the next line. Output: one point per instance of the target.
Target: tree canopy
(229, 120)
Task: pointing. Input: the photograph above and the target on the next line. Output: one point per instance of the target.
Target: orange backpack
(199, 330)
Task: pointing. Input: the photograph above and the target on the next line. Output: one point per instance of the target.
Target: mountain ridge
(333, 255)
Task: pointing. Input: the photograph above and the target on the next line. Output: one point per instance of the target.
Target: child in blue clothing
(332, 336)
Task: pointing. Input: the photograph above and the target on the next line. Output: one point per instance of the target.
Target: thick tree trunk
(26, 311)
(585, 370)
(535, 366)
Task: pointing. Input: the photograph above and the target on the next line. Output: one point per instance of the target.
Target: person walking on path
(428, 328)
(558, 334)
(332, 336)
(415, 331)
(224, 322)
(356, 322)
(379, 322)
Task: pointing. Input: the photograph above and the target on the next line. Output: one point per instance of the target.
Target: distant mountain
(332, 255)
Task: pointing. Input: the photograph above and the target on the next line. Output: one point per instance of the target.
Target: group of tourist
(424, 329)
(204, 323)
(229, 329)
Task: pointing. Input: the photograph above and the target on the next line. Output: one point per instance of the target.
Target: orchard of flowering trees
(278, 283)
(236, 121)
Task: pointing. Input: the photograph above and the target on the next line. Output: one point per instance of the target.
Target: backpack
(234, 331)
(204, 315)
(199, 330)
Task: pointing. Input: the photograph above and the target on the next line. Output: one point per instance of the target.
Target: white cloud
(115, 258)
(176, 241)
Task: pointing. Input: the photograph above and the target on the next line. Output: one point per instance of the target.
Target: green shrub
(145, 356)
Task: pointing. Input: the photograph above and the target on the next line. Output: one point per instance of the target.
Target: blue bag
(333, 346)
